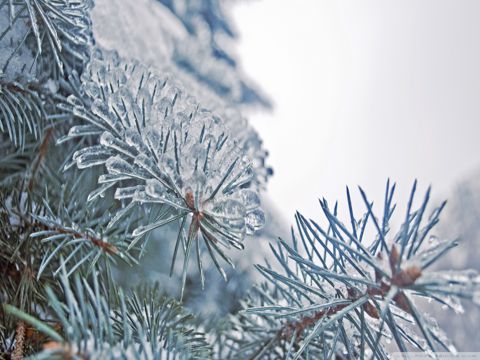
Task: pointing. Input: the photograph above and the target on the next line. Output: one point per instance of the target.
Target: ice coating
(160, 94)
(177, 152)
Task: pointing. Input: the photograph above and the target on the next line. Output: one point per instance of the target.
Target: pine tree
(115, 170)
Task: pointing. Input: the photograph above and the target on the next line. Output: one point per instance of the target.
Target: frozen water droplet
(98, 69)
(255, 220)
(144, 100)
(156, 190)
(117, 165)
(154, 139)
(127, 192)
(170, 169)
(236, 225)
(138, 76)
(110, 141)
(105, 178)
(88, 160)
(91, 156)
(133, 138)
(433, 240)
(141, 196)
(229, 209)
(119, 78)
(250, 199)
(83, 130)
(115, 102)
(107, 139)
(172, 93)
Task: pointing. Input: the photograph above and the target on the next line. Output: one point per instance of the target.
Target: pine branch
(95, 240)
(78, 232)
(317, 301)
(111, 324)
(169, 152)
(61, 33)
(21, 112)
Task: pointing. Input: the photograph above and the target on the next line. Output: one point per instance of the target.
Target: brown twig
(42, 151)
(299, 326)
(17, 353)
(400, 278)
(105, 246)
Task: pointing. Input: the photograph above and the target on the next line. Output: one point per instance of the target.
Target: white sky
(364, 90)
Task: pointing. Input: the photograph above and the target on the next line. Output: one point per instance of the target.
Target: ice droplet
(91, 156)
(133, 138)
(83, 130)
(156, 191)
(250, 199)
(229, 209)
(88, 160)
(99, 70)
(117, 165)
(108, 140)
(127, 192)
(255, 220)
(237, 225)
(433, 240)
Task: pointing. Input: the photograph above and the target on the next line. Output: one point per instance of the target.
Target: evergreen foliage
(101, 156)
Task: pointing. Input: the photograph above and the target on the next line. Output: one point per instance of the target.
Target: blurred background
(362, 91)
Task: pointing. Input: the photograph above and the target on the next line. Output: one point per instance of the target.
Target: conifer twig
(19, 341)
(42, 151)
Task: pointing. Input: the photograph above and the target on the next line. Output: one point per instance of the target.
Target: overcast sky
(364, 90)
